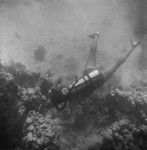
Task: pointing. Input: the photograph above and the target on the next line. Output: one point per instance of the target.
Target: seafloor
(114, 118)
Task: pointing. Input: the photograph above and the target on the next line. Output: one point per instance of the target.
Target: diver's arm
(109, 72)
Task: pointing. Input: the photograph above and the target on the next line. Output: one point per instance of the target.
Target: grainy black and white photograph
(73, 74)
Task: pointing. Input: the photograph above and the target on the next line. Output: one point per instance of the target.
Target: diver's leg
(91, 62)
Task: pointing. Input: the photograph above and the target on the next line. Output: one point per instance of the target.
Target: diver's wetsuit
(82, 91)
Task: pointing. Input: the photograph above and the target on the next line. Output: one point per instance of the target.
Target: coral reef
(114, 120)
(40, 132)
(9, 117)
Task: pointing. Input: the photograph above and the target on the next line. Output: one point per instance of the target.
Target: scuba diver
(90, 80)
